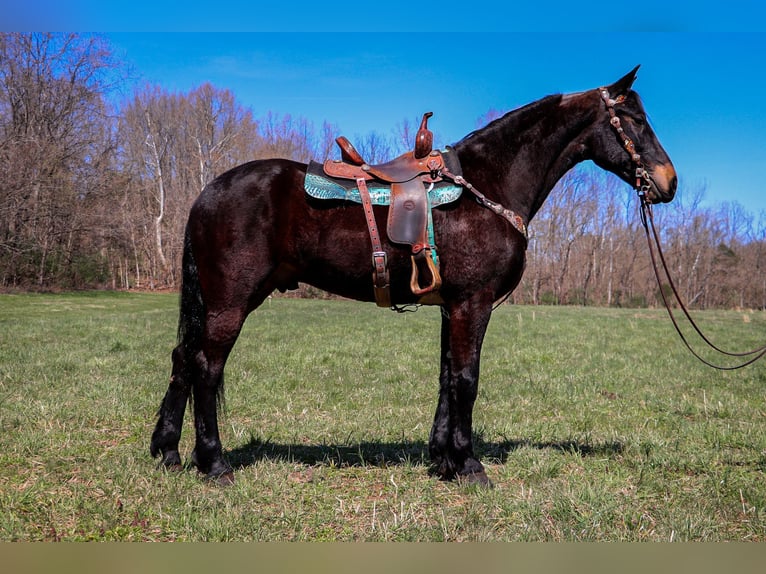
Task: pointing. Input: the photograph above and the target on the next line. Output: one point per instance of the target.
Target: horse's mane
(515, 119)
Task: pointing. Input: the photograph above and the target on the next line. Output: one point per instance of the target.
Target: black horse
(253, 230)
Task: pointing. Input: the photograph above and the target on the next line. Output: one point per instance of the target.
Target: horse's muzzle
(664, 183)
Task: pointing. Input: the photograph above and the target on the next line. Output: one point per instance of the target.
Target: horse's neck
(518, 158)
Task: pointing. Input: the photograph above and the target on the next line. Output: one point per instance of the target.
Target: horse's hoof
(171, 462)
(225, 479)
(475, 478)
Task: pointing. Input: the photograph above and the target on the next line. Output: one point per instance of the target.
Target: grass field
(594, 424)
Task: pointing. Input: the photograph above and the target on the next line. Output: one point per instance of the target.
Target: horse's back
(248, 203)
(250, 186)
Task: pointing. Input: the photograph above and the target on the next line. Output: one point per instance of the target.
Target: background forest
(95, 185)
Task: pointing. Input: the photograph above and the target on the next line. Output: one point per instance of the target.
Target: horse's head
(624, 143)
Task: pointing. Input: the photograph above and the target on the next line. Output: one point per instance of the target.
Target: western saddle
(410, 176)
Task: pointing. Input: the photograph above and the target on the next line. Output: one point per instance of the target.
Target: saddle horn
(424, 139)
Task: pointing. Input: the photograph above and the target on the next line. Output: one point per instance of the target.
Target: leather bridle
(643, 183)
(643, 188)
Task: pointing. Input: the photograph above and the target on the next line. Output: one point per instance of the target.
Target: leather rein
(643, 187)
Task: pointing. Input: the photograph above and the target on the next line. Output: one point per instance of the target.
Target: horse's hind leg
(221, 332)
(167, 432)
(198, 366)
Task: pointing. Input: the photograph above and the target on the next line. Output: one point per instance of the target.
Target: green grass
(594, 424)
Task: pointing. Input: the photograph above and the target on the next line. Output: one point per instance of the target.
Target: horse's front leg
(451, 443)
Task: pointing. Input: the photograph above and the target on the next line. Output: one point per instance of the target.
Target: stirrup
(436, 280)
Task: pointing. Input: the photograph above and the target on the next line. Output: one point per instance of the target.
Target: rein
(643, 187)
(647, 219)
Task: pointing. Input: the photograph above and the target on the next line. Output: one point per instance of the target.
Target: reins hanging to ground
(647, 219)
(642, 186)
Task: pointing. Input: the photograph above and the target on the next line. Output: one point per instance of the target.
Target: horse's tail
(191, 320)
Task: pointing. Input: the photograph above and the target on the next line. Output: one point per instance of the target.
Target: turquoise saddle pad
(320, 186)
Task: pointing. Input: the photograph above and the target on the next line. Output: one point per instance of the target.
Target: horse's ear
(622, 86)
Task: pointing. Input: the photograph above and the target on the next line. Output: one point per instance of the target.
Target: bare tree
(172, 146)
(53, 134)
(288, 137)
(373, 147)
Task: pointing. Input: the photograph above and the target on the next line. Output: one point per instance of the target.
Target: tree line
(95, 189)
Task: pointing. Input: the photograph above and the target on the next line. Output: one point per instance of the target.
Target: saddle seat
(420, 161)
(409, 214)
(404, 168)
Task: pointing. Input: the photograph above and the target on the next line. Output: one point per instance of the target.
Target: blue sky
(702, 79)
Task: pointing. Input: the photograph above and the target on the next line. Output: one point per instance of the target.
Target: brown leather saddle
(410, 176)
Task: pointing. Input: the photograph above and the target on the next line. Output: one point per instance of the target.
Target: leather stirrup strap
(380, 280)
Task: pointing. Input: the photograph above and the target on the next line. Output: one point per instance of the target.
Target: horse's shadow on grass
(385, 454)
